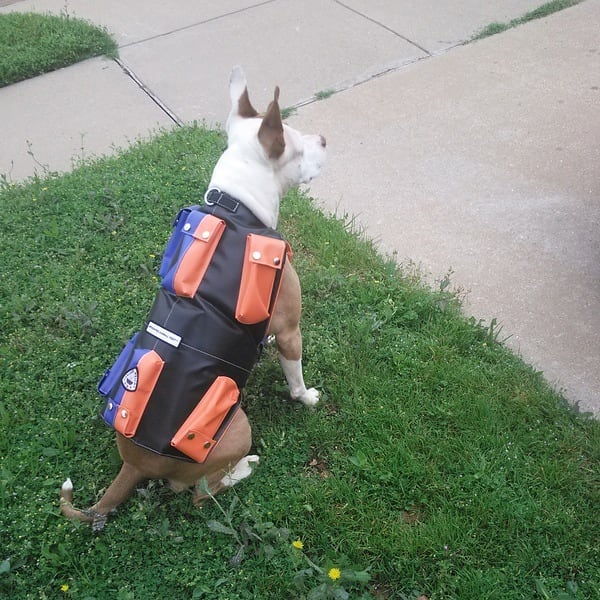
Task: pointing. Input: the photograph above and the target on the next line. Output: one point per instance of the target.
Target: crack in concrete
(171, 114)
(177, 30)
(357, 12)
(342, 87)
(348, 85)
(145, 89)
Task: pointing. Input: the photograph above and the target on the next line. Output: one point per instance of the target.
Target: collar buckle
(214, 196)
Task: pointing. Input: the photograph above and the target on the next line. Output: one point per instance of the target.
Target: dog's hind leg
(217, 482)
(229, 462)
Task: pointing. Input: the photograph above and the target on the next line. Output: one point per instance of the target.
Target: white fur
(242, 470)
(292, 370)
(246, 172)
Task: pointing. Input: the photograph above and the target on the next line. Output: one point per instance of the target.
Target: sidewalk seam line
(345, 86)
(384, 27)
(149, 93)
(178, 29)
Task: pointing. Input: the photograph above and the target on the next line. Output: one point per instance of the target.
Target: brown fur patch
(270, 133)
(245, 108)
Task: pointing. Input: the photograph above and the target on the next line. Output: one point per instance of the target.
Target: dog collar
(216, 196)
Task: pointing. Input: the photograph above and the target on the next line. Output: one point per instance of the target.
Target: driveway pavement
(479, 159)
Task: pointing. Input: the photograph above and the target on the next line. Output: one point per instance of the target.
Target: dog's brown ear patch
(270, 133)
(245, 108)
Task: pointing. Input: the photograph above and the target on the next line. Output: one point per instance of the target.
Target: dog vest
(176, 385)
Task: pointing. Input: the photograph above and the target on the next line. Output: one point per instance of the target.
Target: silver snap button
(124, 414)
(276, 260)
(256, 255)
(205, 235)
(187, 227)
(110, 406)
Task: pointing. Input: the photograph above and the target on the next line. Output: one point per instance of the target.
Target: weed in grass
(570, 592)
(286, 113)
(312, 581)
(542, 11)
(324, 94)
(45, 169)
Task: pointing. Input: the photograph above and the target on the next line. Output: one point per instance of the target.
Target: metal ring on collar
(213, 189)
(222, 199)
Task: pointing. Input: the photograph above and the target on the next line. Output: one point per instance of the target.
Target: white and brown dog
(264, 158)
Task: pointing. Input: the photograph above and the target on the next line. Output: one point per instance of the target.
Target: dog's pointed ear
(270, 134)
(245, 109)
(238, 92)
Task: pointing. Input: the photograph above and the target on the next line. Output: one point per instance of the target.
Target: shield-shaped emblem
(130, 380)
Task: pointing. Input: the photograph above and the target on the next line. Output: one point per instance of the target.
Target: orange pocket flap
(139, 383)
(263, 258)
(197, 257)
(197, 436)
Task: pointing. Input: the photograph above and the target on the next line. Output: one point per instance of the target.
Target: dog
(264, 158)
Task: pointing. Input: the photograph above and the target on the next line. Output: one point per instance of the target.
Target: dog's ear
(270, 134)
(245, 109)
(238, 92)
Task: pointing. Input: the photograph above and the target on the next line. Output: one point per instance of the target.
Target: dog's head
(293, 158)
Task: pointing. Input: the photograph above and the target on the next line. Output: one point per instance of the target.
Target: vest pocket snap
(208, 421)
(190, 251)
(263, 260)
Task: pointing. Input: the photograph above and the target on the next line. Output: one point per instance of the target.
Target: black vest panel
(162, 376)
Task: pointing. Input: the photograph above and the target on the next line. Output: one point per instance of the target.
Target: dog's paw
(242, 470)
(310, 397)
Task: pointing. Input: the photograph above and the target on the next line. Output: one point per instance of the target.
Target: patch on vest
(130, 380)
(163, 334)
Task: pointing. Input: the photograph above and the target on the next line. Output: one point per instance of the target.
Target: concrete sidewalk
(481, 158)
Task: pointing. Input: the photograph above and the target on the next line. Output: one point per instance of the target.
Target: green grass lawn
(437, 460)
(538, 13)
(32, 44)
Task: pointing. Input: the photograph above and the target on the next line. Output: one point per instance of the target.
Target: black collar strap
(216, 196)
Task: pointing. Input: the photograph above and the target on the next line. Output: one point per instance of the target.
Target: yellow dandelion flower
(334, 573)
(298, 544)
(64, 587)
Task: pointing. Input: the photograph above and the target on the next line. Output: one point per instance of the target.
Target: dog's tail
(67, 508)
(117, 492)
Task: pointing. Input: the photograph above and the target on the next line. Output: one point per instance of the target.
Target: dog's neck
(256, 189)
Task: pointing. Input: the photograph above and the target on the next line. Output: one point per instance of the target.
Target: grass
(287, 112)
(437, 464)
(542, 11)
(32, 44)
(324, 94)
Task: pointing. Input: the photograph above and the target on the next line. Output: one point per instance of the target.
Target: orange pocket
(264, 257)
(199, 249)
(139, 383)
(197, 436)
